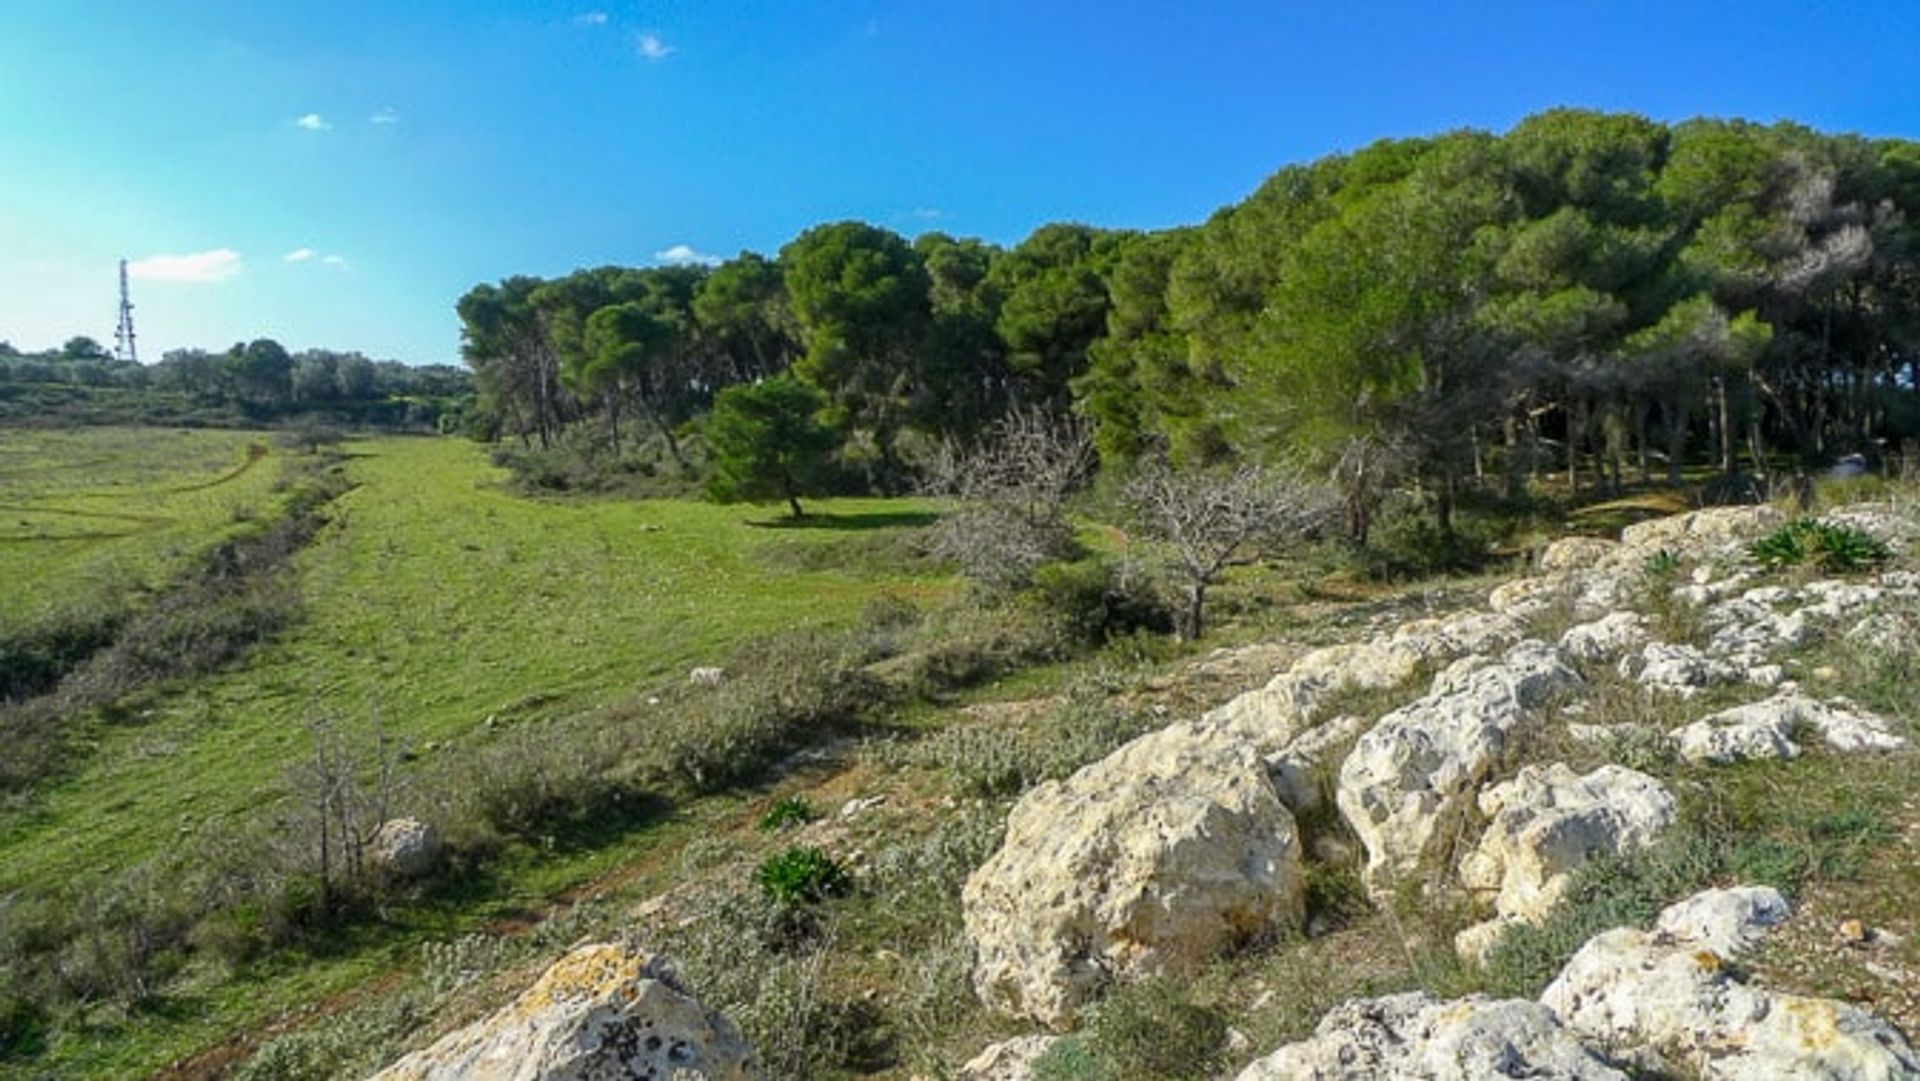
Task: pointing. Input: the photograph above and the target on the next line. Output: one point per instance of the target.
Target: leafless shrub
(1013, 486)
(1210, 520)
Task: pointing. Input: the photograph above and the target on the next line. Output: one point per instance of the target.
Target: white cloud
(204, 266)
(929, 213)
(590, 18)
(385, 117)
(298, 255)
(337, 262)
(685, 255)
(312, 122)
(653, 48)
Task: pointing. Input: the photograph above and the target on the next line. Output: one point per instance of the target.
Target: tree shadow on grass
(885, 519)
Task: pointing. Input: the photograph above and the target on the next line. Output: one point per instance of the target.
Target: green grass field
(93, 516)
(439, 600)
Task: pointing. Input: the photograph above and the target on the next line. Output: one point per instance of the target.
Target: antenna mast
(123, 347)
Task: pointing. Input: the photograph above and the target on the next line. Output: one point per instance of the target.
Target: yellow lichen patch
(1708, 961)
(589, 972)
(1816, 1020)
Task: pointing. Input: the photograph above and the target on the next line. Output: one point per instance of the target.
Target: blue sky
(338, 174)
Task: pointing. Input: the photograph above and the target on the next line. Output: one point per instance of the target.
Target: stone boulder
(1604, 640)
(1676, 669)
(1727, 921)
(1415, 1035)
(1702, 532)
(1760, 730)
(1008, 1060)
(1149, 860)
(1296, 768)
(406, 848)
(1413, 773)
(1544, 825)
(1669, 1002)
(602, 1011)
(1577, 554)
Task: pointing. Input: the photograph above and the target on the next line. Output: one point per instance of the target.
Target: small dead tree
(1211, 520)
(348, 791)
(1013, 487)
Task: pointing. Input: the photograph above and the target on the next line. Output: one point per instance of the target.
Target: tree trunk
(1723, 405)
(1196, 606)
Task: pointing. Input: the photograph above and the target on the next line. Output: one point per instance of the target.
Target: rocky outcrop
(602, 1011)
(1604, 640)
(406, 848)
(1544, 825)
(1414, 772)
(1154, 857)
(1669, 1002)
(1681, 670)
(1577, 554)
(1727, 921)
(1008, 1060)
(1761, 730)
(1702, 532)
(1415, 1035)
(1298, 768)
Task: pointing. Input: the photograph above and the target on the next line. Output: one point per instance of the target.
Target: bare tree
(1013, 486)
(349, 790)
(1211, 520)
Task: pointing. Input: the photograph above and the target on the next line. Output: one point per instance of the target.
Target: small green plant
(1836, 549)
(787, 811)
(1664, 563)
(1156, 1029)
(800, 874)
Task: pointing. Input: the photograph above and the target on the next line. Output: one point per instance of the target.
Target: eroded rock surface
(1544, 825)
(1761, 730)
(1414, 772)
(1669, 1002)
(1168, 849)
(1008, 1060)
(1415, 1035)
(602, 1011)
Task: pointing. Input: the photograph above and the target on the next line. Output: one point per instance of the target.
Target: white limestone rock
(1761, 730)
(1727, 921)
(1414, 772)
(601, 1011)
(1270, 717)
(1604, 640)
(1296, 769)
(1414, 1035)
(406, 848)
(1676, 669)
(1668, 1002)
(1543, 826)
(1577, 554)
(1702, 532)
(1008, 1060)
(1147, 861)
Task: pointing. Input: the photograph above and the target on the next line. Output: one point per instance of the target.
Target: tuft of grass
(787, 811)
(801, 874)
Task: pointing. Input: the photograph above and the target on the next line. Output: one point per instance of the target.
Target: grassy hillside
(440, 601)
(435, 599)
(89, 517)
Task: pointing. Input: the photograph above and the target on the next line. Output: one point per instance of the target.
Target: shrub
(787, 811)
(1835, 549)
(1097, 602)
(801, 874)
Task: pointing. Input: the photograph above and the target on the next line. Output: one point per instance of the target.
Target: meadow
(434, 599)
(96, 516)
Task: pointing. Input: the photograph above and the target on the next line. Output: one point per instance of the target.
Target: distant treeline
(1595, 294)
(255, 382)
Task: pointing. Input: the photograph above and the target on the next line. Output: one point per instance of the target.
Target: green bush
(1096, 603)
(787, 811)
(1835, 549)
(802, 874)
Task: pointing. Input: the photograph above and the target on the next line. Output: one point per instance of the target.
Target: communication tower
(123, 347)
